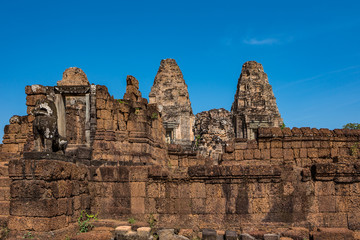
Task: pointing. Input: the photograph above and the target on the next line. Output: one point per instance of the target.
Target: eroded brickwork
(254, 104)
(171, 95)
(47, 193)
(128, 130)
(288, 181)
(213, 129)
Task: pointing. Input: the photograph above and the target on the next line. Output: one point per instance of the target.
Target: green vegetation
(197, 140)
(354, 149)
(84, 221)
(151, 221)
(154, 115)
(137, 111)
(28, 235)
(283, 126)
(120, 101)
(155, 236)
(351, 126)
(131, 220)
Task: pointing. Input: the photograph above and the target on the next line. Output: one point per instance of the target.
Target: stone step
(4, 194)
(4, 208)
(5, 182)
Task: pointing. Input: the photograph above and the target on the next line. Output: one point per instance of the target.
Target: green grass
(84, 221)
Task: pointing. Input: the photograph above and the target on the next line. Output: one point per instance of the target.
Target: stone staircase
(4, 193)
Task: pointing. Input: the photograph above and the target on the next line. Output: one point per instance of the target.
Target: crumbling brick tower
(170, 93)
(254, 104)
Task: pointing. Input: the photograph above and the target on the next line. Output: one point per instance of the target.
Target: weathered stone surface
(73, 77)
(231, 235)
(166, 234)
(296, 233)
(144, 232)
(245, 236)
(254, 104)
(35, 89)
(122, 230)
(209, 234)
(132, 89)
(332, 234)
(169, 234)
(170, 93)
(271, 236)
(213, 129)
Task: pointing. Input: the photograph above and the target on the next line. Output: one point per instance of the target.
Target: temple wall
(266, 189)
(300, 147)
(127, 131)
(272, 193)
(47, 193)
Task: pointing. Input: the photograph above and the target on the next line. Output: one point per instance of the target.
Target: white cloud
(266, 41)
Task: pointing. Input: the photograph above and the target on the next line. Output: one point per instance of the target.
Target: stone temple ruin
(216, 175)
(170, 93)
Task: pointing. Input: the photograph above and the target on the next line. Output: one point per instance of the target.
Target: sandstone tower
(254, 104)
(171, 94)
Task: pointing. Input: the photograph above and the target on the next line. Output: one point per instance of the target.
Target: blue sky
(309, 49)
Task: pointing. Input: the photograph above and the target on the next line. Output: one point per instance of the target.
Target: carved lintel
(72, 90)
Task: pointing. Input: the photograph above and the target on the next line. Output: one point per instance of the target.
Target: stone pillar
(61, 121)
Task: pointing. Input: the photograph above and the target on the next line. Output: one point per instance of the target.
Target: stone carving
(15, 119)
(46, 135)
(212, 130)
(170, 93)
(254, 105)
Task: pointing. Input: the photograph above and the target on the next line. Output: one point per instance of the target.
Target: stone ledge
(47, 156)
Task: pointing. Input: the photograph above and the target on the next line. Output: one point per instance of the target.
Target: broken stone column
(254, 104)
(171, 94)
(132, 89)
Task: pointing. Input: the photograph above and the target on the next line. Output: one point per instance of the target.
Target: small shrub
(120, 101)
(84, 221)
(151, 221)
(352, 126)
(154, 115)
(28, 235)
(354, 149)
(131, 220)
(197, 140)
(283, 126)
